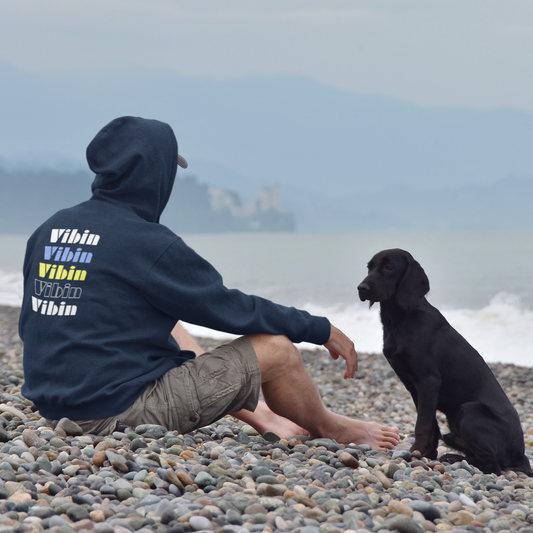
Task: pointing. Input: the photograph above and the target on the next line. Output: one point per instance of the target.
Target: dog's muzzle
(363, 290)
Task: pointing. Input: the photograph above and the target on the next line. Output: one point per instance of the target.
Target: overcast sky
(468, 53)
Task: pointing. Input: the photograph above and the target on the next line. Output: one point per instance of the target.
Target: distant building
(199, 208)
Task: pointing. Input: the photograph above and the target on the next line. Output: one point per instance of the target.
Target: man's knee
(275, 352)
(271, 345)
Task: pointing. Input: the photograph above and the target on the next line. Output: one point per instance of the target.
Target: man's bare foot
(342, 429)
(359, 432)
(263, 420)
(282, 427)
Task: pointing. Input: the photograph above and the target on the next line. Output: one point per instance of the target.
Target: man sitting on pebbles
(104, 288)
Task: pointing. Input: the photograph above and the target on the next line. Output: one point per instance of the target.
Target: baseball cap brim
(182, 162)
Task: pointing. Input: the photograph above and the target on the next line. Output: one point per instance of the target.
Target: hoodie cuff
(321, 331)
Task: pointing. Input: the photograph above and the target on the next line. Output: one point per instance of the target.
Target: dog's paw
(429, 452)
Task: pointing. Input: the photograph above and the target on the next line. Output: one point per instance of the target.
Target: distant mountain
(28, 198)
(334, 161)
(254, 132)
(501, 206)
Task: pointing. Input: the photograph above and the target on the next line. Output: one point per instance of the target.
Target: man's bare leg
(290, 392)
(185, 341)
(262, 419)
(292, 396)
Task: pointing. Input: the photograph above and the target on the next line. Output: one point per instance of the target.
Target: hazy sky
(473, 53)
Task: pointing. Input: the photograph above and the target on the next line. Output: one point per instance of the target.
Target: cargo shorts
(195, 394)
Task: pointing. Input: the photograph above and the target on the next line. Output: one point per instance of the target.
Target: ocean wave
(11, 288)
(501, 331)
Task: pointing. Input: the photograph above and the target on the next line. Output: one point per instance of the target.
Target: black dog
(442, 371)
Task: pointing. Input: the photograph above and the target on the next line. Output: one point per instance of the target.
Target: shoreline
(226, 478)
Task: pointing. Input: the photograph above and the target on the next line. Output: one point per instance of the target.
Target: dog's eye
(388, 267)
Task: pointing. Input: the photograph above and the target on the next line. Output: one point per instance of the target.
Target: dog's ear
(413, 286)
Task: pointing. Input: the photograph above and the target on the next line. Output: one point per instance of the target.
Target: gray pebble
(144, 463)
(41, 511)
(69, 427)
(243, 477)
(468, 502)
(57, 521)
(44, 463)
(310, 529)
(198, 523)
(404, 524)
(270, 436)
(167, 515)
(77, 513)
(402, 454)
(203, 479)
(429, 511)
(234, 517)
(153, 430)
(122, 484)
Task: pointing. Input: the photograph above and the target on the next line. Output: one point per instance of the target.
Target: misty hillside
(342, 161)
(246, 134)
(28, 198)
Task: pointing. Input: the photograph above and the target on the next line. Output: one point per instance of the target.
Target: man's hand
(339, 345)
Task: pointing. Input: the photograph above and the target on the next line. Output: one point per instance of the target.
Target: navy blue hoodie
(105, 283)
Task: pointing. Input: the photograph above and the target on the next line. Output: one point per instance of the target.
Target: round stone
(69, 427)
(461, 518)
(402, 454)
(430, 512)
(199, 523)
(203, 479)
(184, 477)
(401, 508)
(77, 513)
(233, 517)
(167, 516)
(404, 524)
(349, 460)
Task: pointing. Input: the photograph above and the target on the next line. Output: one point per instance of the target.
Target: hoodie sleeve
(187, 287)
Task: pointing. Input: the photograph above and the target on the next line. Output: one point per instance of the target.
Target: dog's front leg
(427, 431)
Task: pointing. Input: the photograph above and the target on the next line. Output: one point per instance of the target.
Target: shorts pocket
(217, 393)
(186, 408)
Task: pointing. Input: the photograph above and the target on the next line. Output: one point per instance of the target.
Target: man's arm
(187, 287)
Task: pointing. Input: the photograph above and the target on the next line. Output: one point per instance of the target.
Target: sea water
(482, 283)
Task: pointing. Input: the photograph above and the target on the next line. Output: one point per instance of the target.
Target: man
(105, 285)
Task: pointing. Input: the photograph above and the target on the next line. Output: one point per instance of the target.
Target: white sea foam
(501, 331)
(11, 288)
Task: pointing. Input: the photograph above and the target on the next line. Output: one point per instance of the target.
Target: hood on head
(135, 162)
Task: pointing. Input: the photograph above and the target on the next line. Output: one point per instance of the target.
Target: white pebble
(485, 504)
(300, 491)
(465, 500)
(200, 523)
(63, 457)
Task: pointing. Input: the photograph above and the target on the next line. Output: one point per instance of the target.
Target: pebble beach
(227, 478)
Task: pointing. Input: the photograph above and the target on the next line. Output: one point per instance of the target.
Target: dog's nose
(363, 287)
